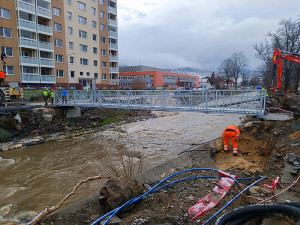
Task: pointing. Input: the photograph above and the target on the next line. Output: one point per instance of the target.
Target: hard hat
(46, 89)
(51, 89)
(258, 87)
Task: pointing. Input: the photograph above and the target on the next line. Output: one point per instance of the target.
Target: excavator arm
(278, 57)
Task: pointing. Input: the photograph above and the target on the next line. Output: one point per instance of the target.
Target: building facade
(157, 80)
(66, 43)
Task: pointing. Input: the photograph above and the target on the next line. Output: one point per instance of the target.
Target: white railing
(29, 60)
(46, 46)
(44, 12)
(48, 78)
(113, 34)
(241, 102)
(31, 77)
(45, 29)
(113, 70)
(27, 25)
(114, 81)
(26, 6)
(28, 43)
(113, 58)
(47, 62)
(112, 23)
(113, 46)
(112, 10)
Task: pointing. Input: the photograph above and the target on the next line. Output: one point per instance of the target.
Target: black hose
(241, 215)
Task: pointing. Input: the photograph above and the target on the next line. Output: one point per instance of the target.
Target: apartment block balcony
(112, 10)
(27, 25)
(30, 78)
(45, 46)
(112, 23)
(44, 12)
(45, 30)
(115, 1)
(47, 62)
(114, 81)
(113, 47)
(28, 43)
(113, 34)
(113, 58)
(30, 61)
(114, 70)
(48, 79)
(27, 7)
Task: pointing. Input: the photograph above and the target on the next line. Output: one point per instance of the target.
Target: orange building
(158, 79)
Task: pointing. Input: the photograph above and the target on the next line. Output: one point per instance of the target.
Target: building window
(81, 20)
(95, 62)
(94, 24)
(57, 27)
(102, 27)
(81, 73)
(103, 52)
(59, 58)
(104, 64)
(88, 73)
(96, 75)
(72, 74)
(69, 2)
(94, 37)
(103, 40)
(82, 34)
(8, 70)
(104, 76)
(71, 59)
(5, 32)
(58, 43)
(83, 48)
(70, 30)
(84, 62)
(95, 50)
(93, 11)
(8, 51)
(60, 73)
(56, 11)
(4, 13)
(71, 45)
(81, 6)
(101, 2)
(69, 16)
(102, 14)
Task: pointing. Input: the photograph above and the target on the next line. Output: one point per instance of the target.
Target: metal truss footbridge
(241, 102)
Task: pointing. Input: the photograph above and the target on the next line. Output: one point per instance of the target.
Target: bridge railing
(247, 102)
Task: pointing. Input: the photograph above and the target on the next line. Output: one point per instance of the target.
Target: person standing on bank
(231, 132)
(46, 96)
(51, 97)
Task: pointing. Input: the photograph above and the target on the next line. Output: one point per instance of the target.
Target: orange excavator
(278, 57)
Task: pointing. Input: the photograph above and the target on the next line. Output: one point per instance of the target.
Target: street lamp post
(68, 69)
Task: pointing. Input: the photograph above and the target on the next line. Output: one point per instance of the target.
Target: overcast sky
(196, 33)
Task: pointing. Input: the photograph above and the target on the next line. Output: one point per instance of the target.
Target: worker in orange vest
(233, 133)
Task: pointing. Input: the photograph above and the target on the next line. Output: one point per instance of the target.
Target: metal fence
(243, 102)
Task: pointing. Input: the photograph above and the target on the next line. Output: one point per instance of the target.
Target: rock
(294, 172)
(115, 220)
(48, 117)
(116, 192)
(18, 127)
(4, 148)
(260, 190)
(249, 124)
(163, 198)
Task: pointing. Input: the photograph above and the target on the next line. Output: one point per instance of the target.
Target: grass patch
(4, 135)
(108, 120)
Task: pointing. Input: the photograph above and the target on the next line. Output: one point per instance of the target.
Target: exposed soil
(263, 147)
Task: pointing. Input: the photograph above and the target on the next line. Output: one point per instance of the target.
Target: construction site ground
(263, 146)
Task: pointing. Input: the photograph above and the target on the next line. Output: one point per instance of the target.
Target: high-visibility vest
(46, 93)
(266, 93)
(51, 94)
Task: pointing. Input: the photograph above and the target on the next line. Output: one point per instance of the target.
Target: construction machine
(278, 57)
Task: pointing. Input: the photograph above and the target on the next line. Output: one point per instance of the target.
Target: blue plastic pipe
(153, 189)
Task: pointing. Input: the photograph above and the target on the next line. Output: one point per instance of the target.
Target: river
(38, 176)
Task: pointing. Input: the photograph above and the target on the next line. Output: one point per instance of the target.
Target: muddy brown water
(38, 176)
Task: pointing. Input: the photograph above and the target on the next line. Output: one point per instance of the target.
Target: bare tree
(226, 68)
(286, 38)
(239, 63)
(138, 84)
